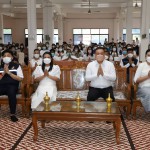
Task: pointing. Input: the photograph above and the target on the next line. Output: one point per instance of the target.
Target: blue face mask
(53, 54)
(124, 52)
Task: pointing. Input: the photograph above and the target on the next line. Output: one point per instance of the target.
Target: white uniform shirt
(100, 81)
(54, 72)
(19, 72)
(141, 71)
(33, 61)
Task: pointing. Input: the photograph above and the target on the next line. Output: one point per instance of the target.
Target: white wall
(70, 22)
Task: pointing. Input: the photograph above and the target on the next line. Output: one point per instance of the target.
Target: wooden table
(68, 111)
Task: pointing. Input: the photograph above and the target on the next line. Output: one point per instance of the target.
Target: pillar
(48, 22)
(60, 29)
(145, 26)
(32, 26)
(1, 29)
(116, 29)
(129, 21)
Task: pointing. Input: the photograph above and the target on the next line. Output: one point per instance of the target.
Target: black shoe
(13, 118)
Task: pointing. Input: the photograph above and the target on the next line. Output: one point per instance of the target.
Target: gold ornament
(78, 100)
(46, 100)
(109, 101)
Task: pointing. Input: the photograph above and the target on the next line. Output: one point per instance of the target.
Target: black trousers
(95, 93)
(11, 92)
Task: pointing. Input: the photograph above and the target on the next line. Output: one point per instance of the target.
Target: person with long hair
(46, 75)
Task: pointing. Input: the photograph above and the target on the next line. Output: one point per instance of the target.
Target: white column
(32, 26)
(129, 21)
(60, 29)
(145, 26)
(116, 29)
(121, 26)
(1, 29)
(48, 22)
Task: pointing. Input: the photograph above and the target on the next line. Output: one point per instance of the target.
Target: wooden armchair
(21, 96)
(122, 90)
(135, 100)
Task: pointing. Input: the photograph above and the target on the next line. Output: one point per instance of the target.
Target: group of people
(100, 72)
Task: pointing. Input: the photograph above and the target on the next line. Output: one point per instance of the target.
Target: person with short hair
(142, 77)
(11, 75)
(129, 61)
(36, 60)
(101, 74)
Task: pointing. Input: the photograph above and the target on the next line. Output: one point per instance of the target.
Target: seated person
(11, 74)
(129, 61)
(101, 73)
(76, 53)
(36, 60)
(89, 56)
(107, 55)
(46, 75)
(142, 77)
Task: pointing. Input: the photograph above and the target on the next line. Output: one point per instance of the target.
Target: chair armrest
(127, 90)
(29, 88)
(135, 87)
(23, 89)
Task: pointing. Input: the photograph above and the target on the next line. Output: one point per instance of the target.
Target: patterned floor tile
(63, 135)
(75, 136)
(10, 131)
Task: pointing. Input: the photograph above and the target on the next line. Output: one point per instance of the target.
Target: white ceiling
(67, 6)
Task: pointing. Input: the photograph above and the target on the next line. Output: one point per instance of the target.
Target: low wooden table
(68, 111)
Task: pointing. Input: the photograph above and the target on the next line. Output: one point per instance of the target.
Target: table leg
(35, 127)
(118, 127)
(43, 123)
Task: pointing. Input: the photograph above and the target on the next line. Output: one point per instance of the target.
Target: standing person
(142, 77)
(101, 73)
(11, 75)
(46, 75)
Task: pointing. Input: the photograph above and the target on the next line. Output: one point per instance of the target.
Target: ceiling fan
(89, 11)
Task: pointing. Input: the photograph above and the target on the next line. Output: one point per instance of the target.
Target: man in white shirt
(101, 74)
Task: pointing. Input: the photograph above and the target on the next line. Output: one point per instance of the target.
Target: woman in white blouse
(142, 77)
(46, 75)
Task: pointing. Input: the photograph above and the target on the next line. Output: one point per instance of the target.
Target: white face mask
(114, 49)
(39, 48)
(7, 60)
(60, 49)
(106, 57)
(47, 60)
(148, 59)
(130, 55)
(36, 55)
